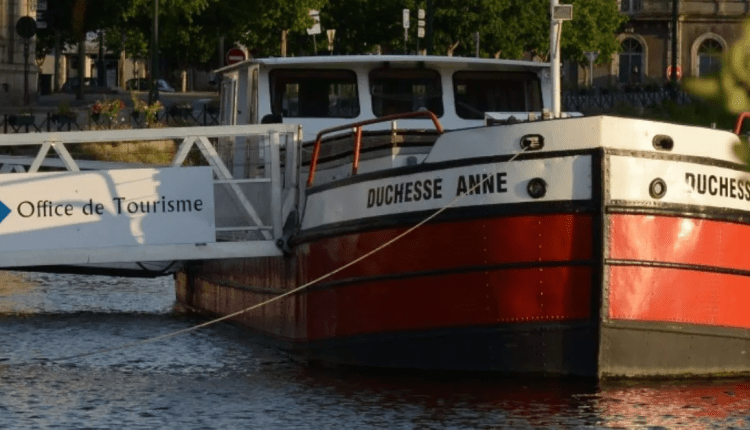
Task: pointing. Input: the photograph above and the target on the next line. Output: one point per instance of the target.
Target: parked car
(142, 84)
(164, 86)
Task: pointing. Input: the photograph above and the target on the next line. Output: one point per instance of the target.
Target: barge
(498, 235)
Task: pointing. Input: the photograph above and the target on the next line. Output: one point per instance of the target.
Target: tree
(593, 29)
(457, 22)
(269, 23)
(363, 25)
(516, 28)
(507, 28)
(731, 88)
(59, 30)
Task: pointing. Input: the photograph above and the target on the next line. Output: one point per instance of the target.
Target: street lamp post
(675, 9)
(559, 13)
(554, 50)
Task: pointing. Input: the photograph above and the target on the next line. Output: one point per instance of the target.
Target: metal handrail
(357, 126)
(740, 119)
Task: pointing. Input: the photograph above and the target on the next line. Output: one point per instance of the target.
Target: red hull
(674, 269)
(461, 285)
(463, 273)
(675, 297)
(643, 295)
(435, 279)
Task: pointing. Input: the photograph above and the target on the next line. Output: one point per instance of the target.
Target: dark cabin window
(314, 93)
(405, 90)
(478, 92)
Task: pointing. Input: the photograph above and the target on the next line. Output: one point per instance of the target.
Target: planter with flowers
(109, 108)
(141, 109)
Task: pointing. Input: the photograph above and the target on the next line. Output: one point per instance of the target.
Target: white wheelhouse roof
(468, 63)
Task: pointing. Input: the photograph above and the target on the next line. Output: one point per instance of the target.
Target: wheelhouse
(324, 92)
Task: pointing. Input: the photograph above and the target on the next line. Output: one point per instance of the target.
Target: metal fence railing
(126, 118)
(603, 100)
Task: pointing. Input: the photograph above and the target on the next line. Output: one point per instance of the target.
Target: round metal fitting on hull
(537, 188)
(658, 188)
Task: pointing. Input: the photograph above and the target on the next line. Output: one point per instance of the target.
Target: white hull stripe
(501, 183)
(630, 179)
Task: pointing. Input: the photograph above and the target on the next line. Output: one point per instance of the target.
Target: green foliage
(507, 28)
(456, 22)
(361, 25)
(592, 29)
(265, 20)
(190, 30)
(730, 88)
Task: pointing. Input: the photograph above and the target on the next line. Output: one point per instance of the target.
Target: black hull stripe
(499, 348)
(454, 271)
(679, 266)
(525, 327)
(679, 210)
(406, 275)
(679, 328)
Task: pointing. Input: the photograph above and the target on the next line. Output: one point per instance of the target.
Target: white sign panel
(567, 178)
(315, 29)
(406, 22)
(129, 207)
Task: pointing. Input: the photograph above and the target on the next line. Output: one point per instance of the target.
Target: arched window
(709, 57)
(631, 62)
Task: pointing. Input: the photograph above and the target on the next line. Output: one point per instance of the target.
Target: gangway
(226, 193)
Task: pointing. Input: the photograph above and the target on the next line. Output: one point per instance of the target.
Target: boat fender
(288, 231)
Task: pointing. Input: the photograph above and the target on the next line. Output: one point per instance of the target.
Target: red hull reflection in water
(694, 404)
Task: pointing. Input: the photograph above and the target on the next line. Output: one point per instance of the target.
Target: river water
(223, 377)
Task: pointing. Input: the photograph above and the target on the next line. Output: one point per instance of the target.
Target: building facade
(12, 58)
(706, 29)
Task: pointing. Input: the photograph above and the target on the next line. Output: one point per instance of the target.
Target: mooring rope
(290, 292)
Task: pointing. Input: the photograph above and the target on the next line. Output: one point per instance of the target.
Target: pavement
(52, 102)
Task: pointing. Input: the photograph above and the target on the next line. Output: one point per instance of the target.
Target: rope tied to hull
(292, 291)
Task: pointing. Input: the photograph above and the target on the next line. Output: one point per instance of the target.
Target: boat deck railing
(356, 129)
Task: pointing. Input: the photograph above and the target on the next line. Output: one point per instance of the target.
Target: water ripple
(225, 377)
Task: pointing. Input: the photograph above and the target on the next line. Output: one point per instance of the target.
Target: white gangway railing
(250, 205)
